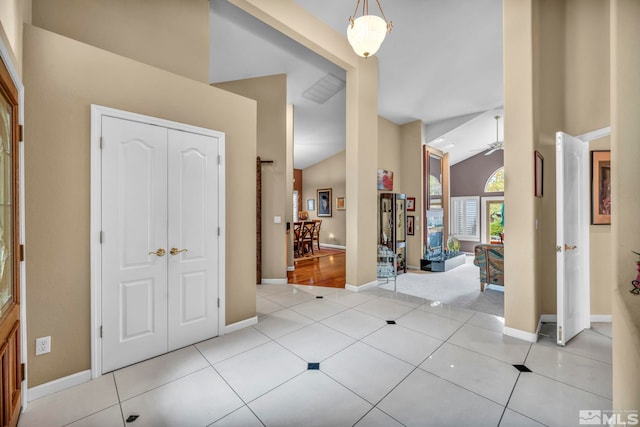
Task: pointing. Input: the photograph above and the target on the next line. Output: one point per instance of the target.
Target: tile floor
(438, 365)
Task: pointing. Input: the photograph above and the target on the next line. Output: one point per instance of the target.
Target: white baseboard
(291, 268)
(412, 267)
(360, 288)
(60, 384)
(274, 281)
(523, 335)
(548, 318)
(601, 318)
(328, 245)
(240, 325)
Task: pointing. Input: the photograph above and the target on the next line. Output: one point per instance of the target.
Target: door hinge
(100, 331)
(218, 231)
(559, 334)
(219, 159)
(218, 302)
(21, 252)
(22, 371)
(101, 142)
(20, 133)
(558, 248)
(101, 236)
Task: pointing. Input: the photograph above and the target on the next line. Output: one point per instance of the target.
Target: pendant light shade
(367, 32)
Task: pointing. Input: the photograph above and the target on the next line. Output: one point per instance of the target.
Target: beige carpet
(459, 286)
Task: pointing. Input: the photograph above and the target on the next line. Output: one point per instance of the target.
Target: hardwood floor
(325, 270)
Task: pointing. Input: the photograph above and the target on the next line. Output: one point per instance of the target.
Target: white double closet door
(160, 211)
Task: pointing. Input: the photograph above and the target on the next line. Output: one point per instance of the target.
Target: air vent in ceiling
(324, 89)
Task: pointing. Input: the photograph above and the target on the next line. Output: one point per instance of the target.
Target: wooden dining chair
(297, 242)
(316, 231)
(306, 239)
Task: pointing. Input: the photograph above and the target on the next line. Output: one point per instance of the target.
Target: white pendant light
(366, 33)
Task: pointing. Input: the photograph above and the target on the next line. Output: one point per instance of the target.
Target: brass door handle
(159, 252)
(569, 248)
(176, 251)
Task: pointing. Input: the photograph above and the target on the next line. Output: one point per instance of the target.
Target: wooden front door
(10, 362)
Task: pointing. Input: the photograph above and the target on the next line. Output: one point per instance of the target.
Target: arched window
(495, 183)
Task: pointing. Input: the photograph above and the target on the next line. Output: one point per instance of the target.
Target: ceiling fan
(497, 145)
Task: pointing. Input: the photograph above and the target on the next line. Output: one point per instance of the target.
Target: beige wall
(57, 169)
(169, 34)
(411, 173)
(271, 94)
(329, 173)
(13, 15)
(625, 152)
(390, 151)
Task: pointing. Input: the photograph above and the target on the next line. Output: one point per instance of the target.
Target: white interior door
(193, 238)
(134, 229)
(572, 236)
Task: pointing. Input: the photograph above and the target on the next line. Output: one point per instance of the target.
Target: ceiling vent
(324, 89)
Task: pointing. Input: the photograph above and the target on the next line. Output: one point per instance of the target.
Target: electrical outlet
(43, 345)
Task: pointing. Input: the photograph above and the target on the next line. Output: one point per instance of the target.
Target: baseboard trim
(354, 288)
(274, 281)
(601, 318)
(328, 245)
(548, 318)
(60, 384)
(523, 335)
(291, 268)
(240, 325)
(412, 267)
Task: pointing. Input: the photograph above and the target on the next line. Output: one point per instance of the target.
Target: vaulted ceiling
(441, 64)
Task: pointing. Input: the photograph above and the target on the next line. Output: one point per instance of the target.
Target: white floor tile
(403, 343)
(551, 402)
(318, 309)
(144, 376)
(514, 419)
(405, 299)
(368, 372)
(351, 299)
(492, 344)
(264, 290)
(377, 418)
(281, 323)
(242, 417)
(72, 404)
(310, 399)
(487, 321)
(315, 342)
(384, 309)
(110, 417)
(602, 328)
(290, 298)
(447, 310)
(592, 345)
(354, 323)
(220, 348)
(198, 400)
(259, 370)
(423, 399)
(430, 324)
(488, 377)
(266, 306)
(587, 374)
(319, 290)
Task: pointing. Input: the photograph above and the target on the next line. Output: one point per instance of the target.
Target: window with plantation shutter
(465, 218)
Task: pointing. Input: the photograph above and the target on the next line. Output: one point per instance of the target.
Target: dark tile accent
(391, 322)
(522, 368)
(319, 297)
(313, 366)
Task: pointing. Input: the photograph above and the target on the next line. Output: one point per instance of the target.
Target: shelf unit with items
(392, 226)
(386, 265)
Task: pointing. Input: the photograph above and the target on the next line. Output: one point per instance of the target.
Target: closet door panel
(193, 233)
(134, 229)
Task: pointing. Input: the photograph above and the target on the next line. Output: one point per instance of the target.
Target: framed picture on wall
(385, 180)
(311, 204)
(410, 224)
(411, 204)
(324, 202)
(600, 187)
(340, 204)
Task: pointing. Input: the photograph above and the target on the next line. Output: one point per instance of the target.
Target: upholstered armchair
(490, 260)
